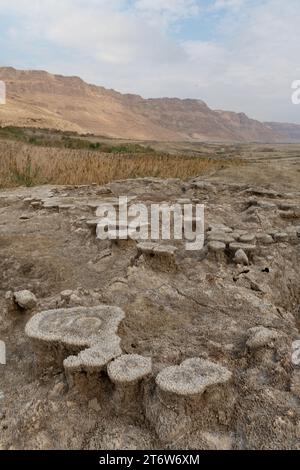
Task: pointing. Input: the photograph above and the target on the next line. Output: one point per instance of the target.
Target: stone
(51, 206)
(264, 239)
(249, 249)
(165, 250)
(220, 237)
(36, 205)
(266, 205)
(281, 237)
(241, 258)
(219, 228)
(66, 207)
(288, 215)
(92, 332)
(248, 238)
(287, 206)
(75, 300)
(261, 337)
(296, 353)
(146, 248)
(216, 251)
(25, 299)
(295, 383)
(216, 246)
(192, 377)
(66, 294)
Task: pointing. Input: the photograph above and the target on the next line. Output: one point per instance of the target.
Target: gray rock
(216, 246)
(247, 238)
(25, 299)
(260, 337)
(247, 248)
(241, 258)
(220, 237)
(264, 239)
(66, 294)
(281, 237)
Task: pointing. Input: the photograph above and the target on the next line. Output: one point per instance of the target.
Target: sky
(239, 55)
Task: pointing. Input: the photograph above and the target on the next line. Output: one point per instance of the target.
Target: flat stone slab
(129, 369)
(192, 377)
(216, 246)
(264, 239)
(146, 248)
(220, 228)
(149, 248)
(220, 237)
(94, 330)
(25, 299)
(247, 238)
(246, 247)
(165, 250)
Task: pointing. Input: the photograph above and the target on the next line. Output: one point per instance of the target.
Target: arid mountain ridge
(40, 99)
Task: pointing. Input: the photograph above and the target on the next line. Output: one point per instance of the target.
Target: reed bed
(27, 165)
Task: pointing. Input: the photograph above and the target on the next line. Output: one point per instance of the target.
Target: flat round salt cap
(129, 368)
(192, 377)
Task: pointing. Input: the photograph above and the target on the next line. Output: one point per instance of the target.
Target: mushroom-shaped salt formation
(220, 237)
(127, 373)
(160, 256)
(248, 248)
(192, 377)
(188, 397)
(82, 339)
(216, 251)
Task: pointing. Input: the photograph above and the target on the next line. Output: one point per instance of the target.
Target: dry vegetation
(29, 165)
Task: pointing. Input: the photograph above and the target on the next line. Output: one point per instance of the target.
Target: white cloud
(177, 7)
(229, 4)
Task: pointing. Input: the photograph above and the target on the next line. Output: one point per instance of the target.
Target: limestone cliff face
(40, 99)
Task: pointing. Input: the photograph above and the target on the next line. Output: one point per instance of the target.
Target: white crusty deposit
(93, 330)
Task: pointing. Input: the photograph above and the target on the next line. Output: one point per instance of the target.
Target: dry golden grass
(25, 165)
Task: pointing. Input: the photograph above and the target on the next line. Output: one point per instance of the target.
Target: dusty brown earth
(205, 306)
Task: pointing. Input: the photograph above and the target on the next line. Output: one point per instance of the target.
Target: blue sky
(240, 55)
